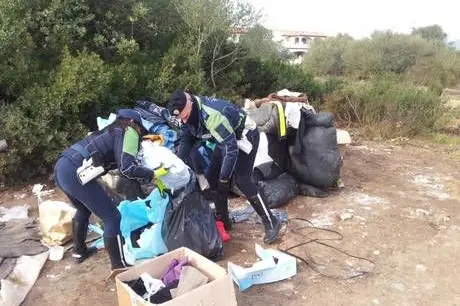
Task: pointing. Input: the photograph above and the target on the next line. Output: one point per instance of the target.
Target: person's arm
(126, 147)
(185, 144)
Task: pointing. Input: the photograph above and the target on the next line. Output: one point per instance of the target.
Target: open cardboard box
(218, 291)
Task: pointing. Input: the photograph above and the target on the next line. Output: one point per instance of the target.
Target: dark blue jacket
(113, 148)
(220, 121)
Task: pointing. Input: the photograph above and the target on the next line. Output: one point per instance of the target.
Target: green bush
(46, 119)
(387, 105)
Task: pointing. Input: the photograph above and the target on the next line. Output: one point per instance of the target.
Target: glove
(223, 186)
(159, 172)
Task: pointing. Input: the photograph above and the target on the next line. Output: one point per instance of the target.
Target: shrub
(47, 119)
(387, 105)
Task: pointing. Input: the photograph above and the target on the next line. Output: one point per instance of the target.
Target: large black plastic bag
(279, 191)
(189, 222)
(315, 158)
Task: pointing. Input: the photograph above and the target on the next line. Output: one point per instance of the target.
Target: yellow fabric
(281, 118)
(154, 138)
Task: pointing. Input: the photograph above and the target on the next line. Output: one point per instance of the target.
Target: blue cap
(127, 113)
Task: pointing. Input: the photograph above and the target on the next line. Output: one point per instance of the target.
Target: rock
(420, 268)
(398, 286)
(346, 216)
(376, 302)
(376, 252)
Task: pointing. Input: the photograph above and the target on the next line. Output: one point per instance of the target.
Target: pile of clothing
(179, 278)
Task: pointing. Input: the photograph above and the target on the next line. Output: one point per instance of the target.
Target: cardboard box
(218, 291)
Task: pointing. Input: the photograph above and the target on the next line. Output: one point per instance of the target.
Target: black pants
(243, 169)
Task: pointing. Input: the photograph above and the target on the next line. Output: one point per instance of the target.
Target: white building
(297, 42)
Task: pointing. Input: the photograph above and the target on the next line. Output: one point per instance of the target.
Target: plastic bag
(189, 222)
(312, 191)
(267, 171)
(137, 214)
(280, 191)
(315, 158)
(155, 156)
(55, 222)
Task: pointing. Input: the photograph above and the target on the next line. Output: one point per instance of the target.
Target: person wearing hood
(237, 138)
(114, 147)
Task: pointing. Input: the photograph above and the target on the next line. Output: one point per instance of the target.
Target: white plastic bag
(154, 156)
(56, 222)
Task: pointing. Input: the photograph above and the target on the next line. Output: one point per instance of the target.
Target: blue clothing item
(221, 121)
(130, 114)
(112, 148)
(169, 135)
(87, 199)
(152, 112)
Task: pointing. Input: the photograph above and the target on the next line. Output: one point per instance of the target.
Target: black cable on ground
(310, 262)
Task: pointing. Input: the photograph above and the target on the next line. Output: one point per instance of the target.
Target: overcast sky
(359, 18)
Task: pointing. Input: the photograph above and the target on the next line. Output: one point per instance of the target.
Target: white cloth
(292, 113)
(262, 156)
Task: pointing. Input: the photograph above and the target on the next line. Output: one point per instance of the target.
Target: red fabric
(223, 234)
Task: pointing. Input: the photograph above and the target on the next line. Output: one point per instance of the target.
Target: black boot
(80, 250)
(221, 203)
(114, 246)
(271, 223)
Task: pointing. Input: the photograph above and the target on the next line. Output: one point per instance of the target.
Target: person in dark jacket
(114, 147)
(237, 142)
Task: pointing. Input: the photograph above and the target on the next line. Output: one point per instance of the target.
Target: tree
(432, 32)
(258, 43)
(327, 56)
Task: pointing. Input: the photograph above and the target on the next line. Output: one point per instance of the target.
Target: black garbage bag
(315, 158)
(189, 222)
(279, 191)
(267, 171)
(312, 191)
(321, 119)
(278, 150)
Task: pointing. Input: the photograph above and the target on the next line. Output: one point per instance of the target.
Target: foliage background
(65, 62)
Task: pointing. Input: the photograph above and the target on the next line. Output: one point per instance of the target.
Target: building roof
(300, 33)
(239, 31)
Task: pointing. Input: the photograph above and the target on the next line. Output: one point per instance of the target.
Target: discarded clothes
(190, 278)
(161, 296)
(273, 267)
(173, 271)
(247, 213)
(20, 237)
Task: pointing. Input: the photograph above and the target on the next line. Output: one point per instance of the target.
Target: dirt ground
(400, 208)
